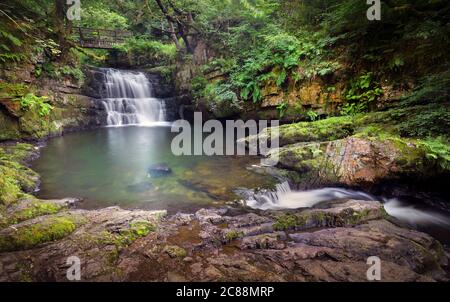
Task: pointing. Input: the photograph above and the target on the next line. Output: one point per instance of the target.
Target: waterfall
(129, 100)
(285, 198)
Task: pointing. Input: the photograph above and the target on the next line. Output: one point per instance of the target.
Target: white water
(285, 198)
(129, 100)
(414, 216)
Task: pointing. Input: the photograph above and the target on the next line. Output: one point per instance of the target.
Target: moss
(233, 235)
(319, 218)
(18, 152)
(47, 230)
(356, 217)
(12, 90)
(287, 222)
(15, 178)
(137, 230)
(323, 130)
(175, 251)
(35, 209)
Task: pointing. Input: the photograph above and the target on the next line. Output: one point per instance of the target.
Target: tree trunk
(59, 16)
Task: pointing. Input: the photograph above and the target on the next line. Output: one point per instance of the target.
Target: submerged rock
(140, 187)
(159, 170)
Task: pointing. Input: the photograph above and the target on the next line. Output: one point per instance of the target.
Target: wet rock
(417, 251)
(266, 241)
(140, 187)
(213, 216)
(112, 247)
(175, 251)
(159, 170)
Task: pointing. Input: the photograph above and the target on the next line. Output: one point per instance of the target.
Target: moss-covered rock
(323, 130)
(15, 177)
(175, 251)
(136, 230)
(349, 213)
(358, 160)
(33, 233)
(31, 208)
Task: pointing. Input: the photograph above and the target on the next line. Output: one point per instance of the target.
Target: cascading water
(129, 100)
(285, 198)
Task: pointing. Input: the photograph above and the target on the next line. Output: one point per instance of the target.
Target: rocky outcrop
(351, 151)
(225, 244)
(352, 161)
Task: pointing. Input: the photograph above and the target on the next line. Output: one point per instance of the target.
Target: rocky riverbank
(330, 243)
(225, 244)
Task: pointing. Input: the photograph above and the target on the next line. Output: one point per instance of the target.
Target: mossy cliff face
(70, 109)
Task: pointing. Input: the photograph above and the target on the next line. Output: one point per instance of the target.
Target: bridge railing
(100, 38)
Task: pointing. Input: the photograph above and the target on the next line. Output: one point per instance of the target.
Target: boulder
(159, 170)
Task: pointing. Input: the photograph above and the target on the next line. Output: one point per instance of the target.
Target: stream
(129, 163)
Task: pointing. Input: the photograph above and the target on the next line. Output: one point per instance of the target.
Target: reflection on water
(109, 166)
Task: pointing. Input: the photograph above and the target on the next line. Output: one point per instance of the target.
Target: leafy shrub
(438, 150)
(282, 108)
(9, 42)
(143, 51)
(33, 102)
(312, 115)
(361, 94)
(102, 17)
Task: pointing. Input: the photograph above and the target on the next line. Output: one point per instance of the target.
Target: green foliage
(58, 72)
(142, 51)
(33, 102)
(282, 108)
(273, 62)
(361, 94)
(422, 121)
(101, 16)
(438, 151)
(312, 115)
(34, 209)
(432, 88)
(12, 90)
(286, 222)
(233, 235)
(8, 43)
(136, 230)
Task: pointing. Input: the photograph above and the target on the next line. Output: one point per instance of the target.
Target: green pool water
(109, 166)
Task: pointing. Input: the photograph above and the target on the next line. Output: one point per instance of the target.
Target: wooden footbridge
(100, 38)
